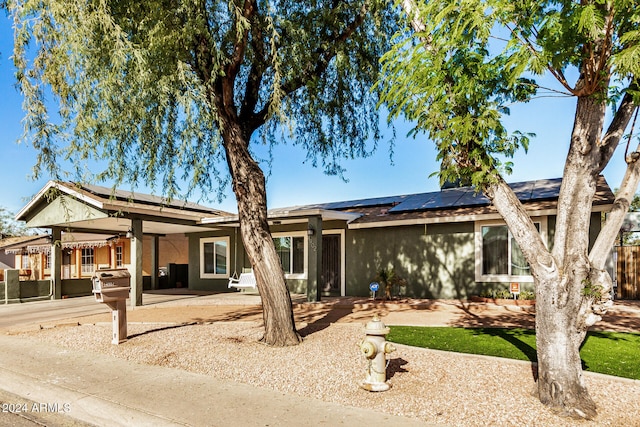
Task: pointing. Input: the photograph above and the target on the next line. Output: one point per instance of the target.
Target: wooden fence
(628, 272)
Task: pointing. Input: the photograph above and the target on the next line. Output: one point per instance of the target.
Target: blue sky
(293, 182)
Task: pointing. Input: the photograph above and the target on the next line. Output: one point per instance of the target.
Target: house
(446, 244)
(7, 258)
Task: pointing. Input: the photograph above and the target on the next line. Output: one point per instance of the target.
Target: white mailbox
(111, 287)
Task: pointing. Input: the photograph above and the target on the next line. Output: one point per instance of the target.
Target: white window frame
(213, 240)
(304, 235)
(119, 252)
(89, 255)
(502, 278)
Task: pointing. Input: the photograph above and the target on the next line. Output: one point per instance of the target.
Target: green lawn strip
(611, 353)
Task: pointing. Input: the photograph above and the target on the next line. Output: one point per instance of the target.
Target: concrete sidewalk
(106, 391)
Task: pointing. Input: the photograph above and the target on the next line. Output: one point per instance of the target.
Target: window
(214, 256)
(500, 259)
(25, 261)
(87, 260)
(291, 250)
(119, 256)
(47, 261)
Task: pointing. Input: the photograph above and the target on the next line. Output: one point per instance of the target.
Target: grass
(611, 353)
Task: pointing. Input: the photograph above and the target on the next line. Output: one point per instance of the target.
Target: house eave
(288, 216)
(459, 218)
(21, 215)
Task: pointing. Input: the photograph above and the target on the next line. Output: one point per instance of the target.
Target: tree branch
(323, 56)
(600, 250)
(232, 68)
(616, 128)
(254, 79)
(522, 227)
(413, 13)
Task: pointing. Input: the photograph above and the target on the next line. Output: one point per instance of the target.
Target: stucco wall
(437, 261)
(172, 248)
(198, 283)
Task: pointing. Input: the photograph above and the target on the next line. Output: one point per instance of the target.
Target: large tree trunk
(572, 288)
(563, 312)
(560, 331)
(249, 188)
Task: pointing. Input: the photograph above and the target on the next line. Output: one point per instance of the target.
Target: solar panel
(445, 199)
(471, 198)
(362, 203)
(466, 196)
(546, 189)
(523, 190)
(143, 198)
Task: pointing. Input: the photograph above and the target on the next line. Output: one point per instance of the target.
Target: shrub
(503, 294)
(527, 295)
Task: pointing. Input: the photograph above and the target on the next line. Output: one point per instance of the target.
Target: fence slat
(628, 272)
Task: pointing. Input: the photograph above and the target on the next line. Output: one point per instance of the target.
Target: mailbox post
(111, 287)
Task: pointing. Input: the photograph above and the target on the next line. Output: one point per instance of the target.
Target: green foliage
(635, 204)
(388, 279)
(458, 77)
(591, 290)
(527, 295)
(498, 294)
(610, 353)
(506, 294)
(139, 85)
(8, 226)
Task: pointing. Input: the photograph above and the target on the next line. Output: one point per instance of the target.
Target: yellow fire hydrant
(375, 347)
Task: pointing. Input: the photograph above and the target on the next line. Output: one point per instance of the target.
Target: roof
(106, 209)
(18, 240)
(104, 197)
(448, 205)
(95, 208)
(144, 199)
(42, 243)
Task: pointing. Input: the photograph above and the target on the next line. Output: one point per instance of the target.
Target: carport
(72, 207)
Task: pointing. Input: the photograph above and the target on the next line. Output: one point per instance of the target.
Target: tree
(170, 90)
(635, 203)
(456, 74)
(8, 226)
(629, 238)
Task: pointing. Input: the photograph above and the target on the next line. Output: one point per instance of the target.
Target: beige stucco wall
(173, 249)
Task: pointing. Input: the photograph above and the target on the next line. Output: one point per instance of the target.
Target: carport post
(155, 244)
(56, 262)
(314, 261)
(136, 262)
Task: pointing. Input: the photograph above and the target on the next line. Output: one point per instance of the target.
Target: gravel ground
(434, 386)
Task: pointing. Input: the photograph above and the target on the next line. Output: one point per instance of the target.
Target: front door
(331, 265)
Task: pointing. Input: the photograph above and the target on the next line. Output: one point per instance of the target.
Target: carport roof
(99, 209)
